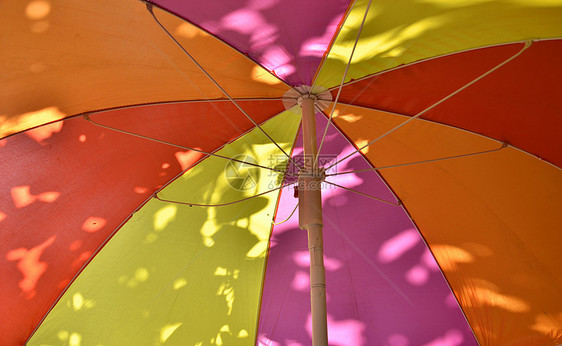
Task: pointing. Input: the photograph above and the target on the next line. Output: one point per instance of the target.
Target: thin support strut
(527, 45)
(504, 145)
(220, 204)
(287, 218)
(87, 118)
(342, 82)
(149, 8)
(363, 194)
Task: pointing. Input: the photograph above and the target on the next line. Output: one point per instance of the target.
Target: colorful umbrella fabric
(150, 153)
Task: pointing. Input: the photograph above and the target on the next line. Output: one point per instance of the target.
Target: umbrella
(150, 154)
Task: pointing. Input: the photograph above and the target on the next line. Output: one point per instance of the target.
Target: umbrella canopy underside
(106, 126)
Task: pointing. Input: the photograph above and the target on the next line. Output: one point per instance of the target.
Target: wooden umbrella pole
(310, 218)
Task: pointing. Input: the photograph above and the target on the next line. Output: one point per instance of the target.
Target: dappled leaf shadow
(383, 286)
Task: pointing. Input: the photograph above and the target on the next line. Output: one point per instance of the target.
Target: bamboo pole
(310, 218)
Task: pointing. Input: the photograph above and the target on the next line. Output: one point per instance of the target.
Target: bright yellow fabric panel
(63, 57)
(177, 274)
(492, 221)
(400, 32)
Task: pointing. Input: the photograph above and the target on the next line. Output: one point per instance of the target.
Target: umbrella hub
(306, 96)
(321, 96)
